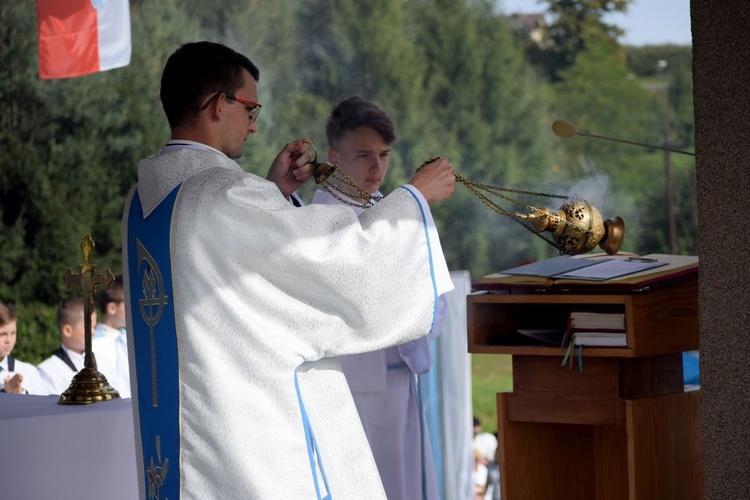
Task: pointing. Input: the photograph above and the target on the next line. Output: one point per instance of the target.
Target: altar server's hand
(435, 180)
(13, 385)
(291, 168)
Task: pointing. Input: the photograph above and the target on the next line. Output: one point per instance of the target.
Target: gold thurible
(577, 227)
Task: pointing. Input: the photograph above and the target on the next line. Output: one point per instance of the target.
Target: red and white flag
(80, 37)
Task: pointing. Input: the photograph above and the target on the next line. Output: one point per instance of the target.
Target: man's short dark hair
(195, 72)
(355, 112)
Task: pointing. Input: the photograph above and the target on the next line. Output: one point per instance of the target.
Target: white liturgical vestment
(264, 295)
(110, 347)
(385, 390)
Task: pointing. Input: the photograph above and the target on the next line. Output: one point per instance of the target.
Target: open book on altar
(620, 272)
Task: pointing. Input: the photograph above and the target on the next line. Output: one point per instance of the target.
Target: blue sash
(313, 453)
(155, 345)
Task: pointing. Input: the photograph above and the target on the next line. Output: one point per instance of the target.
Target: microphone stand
(566, 129)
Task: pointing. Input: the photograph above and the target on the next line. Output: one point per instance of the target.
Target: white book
(613, 339)
(593, 320)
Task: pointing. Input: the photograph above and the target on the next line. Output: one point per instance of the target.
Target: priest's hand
(435, 180)
(13, 385)
(291, 168)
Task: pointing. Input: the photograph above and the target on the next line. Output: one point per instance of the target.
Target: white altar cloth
(66, 452)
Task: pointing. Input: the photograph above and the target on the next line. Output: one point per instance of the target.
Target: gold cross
(86, 281)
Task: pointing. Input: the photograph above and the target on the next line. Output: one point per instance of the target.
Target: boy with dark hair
(59, 369)
(16, 376)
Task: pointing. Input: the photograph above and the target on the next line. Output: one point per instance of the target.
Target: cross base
(88, 386)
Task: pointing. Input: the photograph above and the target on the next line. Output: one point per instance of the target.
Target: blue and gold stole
(155, 345)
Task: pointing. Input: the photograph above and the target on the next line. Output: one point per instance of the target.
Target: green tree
(600, 96)
(643, 61)
(69, 149)
(666, 73)
(573, 24)
(364, 48)
(490, 110)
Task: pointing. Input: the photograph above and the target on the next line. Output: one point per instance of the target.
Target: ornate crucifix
(88, 385)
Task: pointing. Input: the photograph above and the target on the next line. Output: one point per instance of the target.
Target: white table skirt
(77, 452)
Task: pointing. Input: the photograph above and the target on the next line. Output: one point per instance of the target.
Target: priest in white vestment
(384, 383)
(258, 296)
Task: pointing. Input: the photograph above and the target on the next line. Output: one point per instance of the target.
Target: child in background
(16, 376)
(110, 343)
(479, 475)
(59, 369)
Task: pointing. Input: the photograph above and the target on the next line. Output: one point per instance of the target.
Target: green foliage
(598, 95)
(656, 239)
(37, 335)
(69, 149)
(573, 25)
(643, 61)
(487, 112)
(490, 375)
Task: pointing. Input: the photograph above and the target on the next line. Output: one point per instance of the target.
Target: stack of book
(598, 329)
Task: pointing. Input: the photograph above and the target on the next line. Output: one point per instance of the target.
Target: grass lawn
(490, 374)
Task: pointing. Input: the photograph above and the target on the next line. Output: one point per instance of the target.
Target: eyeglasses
(253, 108)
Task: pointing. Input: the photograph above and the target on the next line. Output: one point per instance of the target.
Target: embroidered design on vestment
(156, 474)
(151, 306)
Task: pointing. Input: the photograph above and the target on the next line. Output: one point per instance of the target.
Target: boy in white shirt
(16, 377)
(110, 343)
(59, 369)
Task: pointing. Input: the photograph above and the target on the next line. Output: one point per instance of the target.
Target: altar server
(59, 369)
(16, 377)
(236, 300)
(384, 382)
(110, 343)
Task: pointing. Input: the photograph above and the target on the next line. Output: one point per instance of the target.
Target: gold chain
(475, 187)
(341, 176)
(325, 170)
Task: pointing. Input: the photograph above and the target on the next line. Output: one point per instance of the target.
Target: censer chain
(341, 176)
(497, 208)
(474, 187)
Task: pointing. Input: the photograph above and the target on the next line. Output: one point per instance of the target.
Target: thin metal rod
(635, 143)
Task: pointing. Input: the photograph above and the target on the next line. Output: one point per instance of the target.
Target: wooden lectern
(623, 427)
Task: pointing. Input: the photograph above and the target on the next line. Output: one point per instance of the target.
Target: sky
(647, 22)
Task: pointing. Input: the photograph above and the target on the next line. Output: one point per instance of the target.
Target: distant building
(530, 26)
